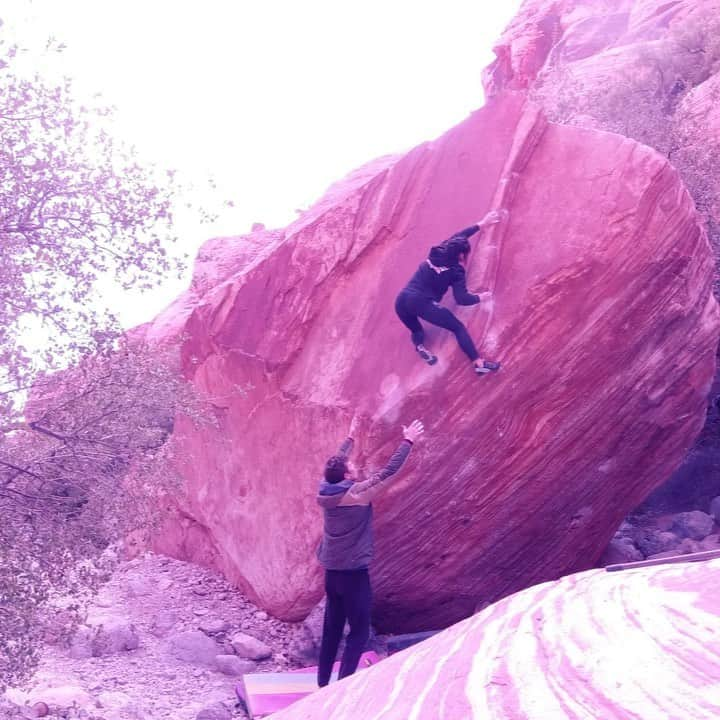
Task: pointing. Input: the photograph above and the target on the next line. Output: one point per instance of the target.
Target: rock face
(652, 536)
(596, 41)
(195, 647)
(715, 509)
(150, 683)
(249, 647)
(233, 665)
(565, 650)
(695, 525)
(599, 308)
(115, 637)
(650, 70)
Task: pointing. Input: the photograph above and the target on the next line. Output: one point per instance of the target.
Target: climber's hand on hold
(354, 426)
(413, 431)
(494, 217)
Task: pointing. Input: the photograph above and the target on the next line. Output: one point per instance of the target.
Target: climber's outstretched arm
(466, 233)
(491, 218)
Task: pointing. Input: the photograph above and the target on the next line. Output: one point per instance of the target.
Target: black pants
(409, 307)
(348, 598)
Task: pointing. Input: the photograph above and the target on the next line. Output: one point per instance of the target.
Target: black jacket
(443, 270)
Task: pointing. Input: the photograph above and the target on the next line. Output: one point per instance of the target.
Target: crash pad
(266, 693)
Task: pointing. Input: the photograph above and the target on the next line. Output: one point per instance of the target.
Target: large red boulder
(634, 644)
(599, 308)
(650, 70)
(645, 68)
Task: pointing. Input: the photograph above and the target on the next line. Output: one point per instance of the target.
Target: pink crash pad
(266, 693)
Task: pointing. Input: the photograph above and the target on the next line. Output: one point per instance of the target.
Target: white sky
(274, 98)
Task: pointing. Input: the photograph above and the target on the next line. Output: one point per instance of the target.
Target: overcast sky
(274, 98)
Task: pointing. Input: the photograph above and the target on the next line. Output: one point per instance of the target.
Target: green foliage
(87, 458)
(75, 206)
(649, 102)
(89, 466)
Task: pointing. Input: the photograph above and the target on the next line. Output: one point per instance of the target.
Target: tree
(88, 457)
(90, 464)
(75, 206)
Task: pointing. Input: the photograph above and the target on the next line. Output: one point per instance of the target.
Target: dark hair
(457, 247)
(448, 253)
(335, 469)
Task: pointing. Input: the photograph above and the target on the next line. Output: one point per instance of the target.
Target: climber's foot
(482, 367)
(426, 355)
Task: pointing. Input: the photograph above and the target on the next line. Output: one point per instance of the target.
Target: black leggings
(410, 307)
(349, 597)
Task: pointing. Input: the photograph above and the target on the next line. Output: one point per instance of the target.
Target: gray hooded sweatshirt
(347, 542)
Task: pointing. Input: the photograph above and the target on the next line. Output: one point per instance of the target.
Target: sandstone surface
(598, 305)
(635, 644)
(650, 70)
(610, 42)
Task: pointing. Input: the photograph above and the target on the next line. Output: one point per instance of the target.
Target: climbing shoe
(426, 355)
(486, 366)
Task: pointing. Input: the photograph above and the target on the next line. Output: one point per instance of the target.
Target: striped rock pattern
(649, 69)
(599, 306)
(640, 644)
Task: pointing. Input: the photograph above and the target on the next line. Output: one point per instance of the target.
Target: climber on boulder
(347, 549)
(420, 298)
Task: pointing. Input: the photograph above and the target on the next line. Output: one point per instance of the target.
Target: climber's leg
(405, 309)
(443, 318)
